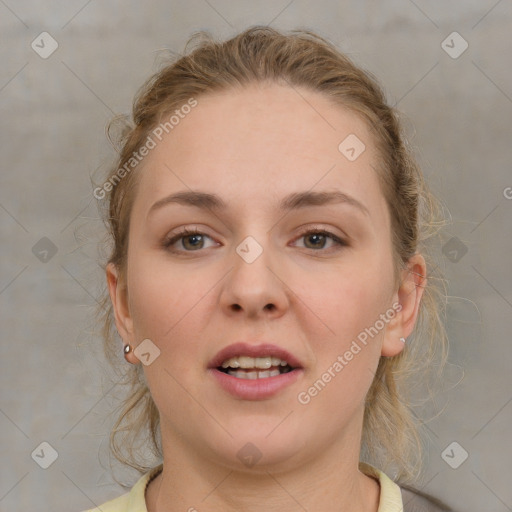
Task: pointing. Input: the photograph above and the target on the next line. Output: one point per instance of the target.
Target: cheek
(166, 308)
(172, 307)
(161, 295)
(346, 301)
(349, 302)
(347, 357)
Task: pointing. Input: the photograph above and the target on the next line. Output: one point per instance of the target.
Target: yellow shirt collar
(135, 501)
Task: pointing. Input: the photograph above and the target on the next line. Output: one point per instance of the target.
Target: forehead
(259, 143)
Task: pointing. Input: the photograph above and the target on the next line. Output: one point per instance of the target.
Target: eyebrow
(294, 201)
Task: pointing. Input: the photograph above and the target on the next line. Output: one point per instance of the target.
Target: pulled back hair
(391, 437)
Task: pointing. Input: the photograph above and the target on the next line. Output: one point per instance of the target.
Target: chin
(260, 448)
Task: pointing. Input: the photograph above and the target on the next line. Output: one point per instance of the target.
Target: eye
(191, 240)
(317, 239)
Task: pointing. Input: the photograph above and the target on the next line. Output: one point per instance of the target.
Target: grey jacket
(417, 501)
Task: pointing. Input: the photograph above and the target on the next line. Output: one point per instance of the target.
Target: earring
(127, 348)
(402, 340)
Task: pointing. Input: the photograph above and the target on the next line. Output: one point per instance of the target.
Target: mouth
(252, 368)
(254, 372)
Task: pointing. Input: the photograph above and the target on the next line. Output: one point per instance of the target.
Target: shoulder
(132, 501)
(399, 497)
(417, 501)
(120, 504)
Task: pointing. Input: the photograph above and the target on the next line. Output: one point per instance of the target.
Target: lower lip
(255, 389)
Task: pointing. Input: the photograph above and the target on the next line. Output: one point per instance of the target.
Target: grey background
(53, 112)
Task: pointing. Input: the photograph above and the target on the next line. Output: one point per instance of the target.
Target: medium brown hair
(300, 58)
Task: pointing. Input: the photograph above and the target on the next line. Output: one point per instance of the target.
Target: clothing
(390, 495)
(416, 501)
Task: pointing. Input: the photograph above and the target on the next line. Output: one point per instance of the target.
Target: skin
(252, 147)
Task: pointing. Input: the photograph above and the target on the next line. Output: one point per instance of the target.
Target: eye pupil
(189, 237)
(194, 241)
(319, 238)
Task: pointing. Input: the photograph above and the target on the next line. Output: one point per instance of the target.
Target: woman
(265, 279)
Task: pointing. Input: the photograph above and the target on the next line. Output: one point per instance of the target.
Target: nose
(254, 288)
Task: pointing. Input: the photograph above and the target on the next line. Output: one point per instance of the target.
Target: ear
(119, 296)
(413, 282)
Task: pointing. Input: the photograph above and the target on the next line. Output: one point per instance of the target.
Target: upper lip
(252, 350)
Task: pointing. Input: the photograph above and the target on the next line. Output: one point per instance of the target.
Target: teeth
(233, 363)
(241, 374)
(246, 362)
(263, 363)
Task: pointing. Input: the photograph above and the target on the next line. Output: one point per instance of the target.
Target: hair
(391, 437)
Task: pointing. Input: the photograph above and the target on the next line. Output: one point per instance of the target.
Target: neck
(331, 482)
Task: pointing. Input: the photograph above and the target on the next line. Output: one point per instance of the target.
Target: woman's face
(253, 276)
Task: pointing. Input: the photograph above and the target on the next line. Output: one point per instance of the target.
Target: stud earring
(127, 349)
(402, 340)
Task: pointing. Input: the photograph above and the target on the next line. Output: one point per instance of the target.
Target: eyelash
(168, 242)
